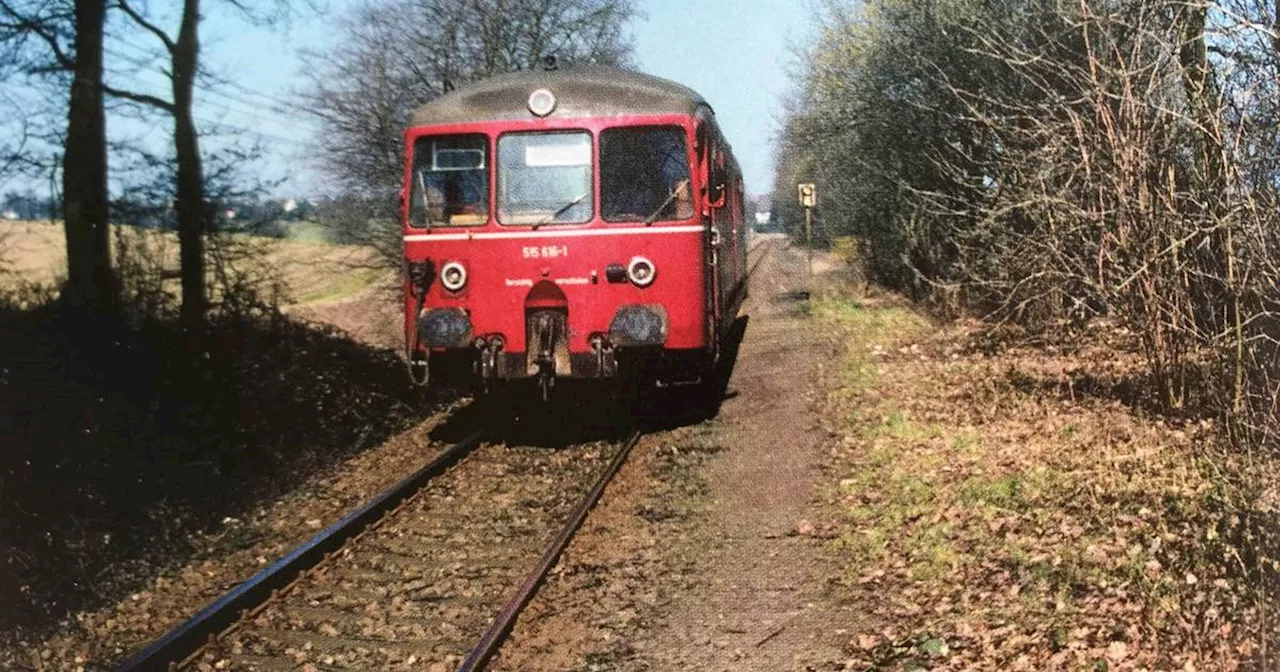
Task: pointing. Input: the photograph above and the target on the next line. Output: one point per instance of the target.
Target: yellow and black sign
(808, 195)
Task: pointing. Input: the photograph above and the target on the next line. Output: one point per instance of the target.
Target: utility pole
(808, 198)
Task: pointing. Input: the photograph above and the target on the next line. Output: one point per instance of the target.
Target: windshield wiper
(563, 209)
(681, 186)
(426, 206)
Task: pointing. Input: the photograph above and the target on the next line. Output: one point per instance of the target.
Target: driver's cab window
(644, 175)
(449, 185)
(545, 178)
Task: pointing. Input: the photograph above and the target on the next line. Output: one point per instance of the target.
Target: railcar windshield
(545, 178)
(450, 181)
(644, 175)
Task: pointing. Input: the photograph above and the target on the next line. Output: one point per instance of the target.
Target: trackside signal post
(808, 198)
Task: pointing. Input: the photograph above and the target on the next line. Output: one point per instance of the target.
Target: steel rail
(501, 625)
(187, 639)
(768, 247)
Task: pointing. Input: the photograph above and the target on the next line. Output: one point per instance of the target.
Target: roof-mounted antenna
(549, 62)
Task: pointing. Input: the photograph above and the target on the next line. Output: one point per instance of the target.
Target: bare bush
(1068, 163)
(1047, 163)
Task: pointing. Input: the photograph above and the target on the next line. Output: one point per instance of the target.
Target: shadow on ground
(594, 411)
(1102, 362)
(1135, 389)
(116, 444)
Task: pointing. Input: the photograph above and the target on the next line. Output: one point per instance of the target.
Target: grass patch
(306, 264)
(1004, 492)
(345, 286)
(899, 425)
(306, 232)
(868, 328)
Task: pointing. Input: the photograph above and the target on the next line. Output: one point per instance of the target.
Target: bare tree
(181, 55)
(14, 148)
(84, 167)
(394, 55)
(1047, 163)
(67, 37)
(183, 52)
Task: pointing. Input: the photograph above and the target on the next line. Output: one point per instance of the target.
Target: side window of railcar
(545, 178)
(450, 181)
(644, 175)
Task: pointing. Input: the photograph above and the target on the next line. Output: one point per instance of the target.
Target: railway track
(424, 574)
(761, 250)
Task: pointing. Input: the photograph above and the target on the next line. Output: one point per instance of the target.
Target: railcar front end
(542, 246)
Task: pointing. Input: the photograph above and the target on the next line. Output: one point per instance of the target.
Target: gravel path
(762, 607)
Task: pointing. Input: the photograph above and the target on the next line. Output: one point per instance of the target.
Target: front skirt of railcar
(629, 355)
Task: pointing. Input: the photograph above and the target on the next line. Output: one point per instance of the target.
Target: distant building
(289, 205)
(230, 215)
(762, 218)
(9, 215)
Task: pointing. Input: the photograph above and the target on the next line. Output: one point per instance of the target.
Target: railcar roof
(579, 91)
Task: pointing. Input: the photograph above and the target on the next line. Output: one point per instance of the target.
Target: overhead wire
(275, 104)
(252, 109)
(282, 106)
(255, 109)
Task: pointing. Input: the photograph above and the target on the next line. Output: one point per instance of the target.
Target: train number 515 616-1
(546, 252)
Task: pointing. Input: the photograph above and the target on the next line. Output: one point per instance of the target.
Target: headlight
(641, 271)
(542, 102)
(453, 276)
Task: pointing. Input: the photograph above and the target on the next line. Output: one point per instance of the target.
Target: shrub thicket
(1046, 163)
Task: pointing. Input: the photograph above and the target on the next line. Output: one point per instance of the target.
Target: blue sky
(736, 53)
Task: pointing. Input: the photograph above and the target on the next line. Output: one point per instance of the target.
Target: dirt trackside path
(692, 561)
(761, 607)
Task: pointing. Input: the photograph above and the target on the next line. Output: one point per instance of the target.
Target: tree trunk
(1200, 83)
(84, 171)
(190, 204)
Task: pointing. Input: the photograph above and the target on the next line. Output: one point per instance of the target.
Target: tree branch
(140, 98)
(151, 27)
(39, 28)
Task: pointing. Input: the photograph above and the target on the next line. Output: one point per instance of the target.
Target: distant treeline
(233, 216)
(29, 206)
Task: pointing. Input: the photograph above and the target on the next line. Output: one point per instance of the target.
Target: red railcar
(575, 223)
